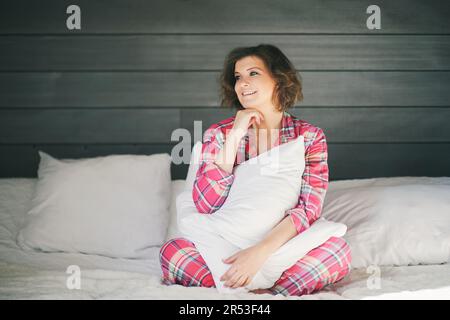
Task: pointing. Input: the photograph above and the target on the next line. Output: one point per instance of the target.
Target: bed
(38, 275)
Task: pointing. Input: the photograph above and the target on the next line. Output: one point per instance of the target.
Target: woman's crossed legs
(182, 264)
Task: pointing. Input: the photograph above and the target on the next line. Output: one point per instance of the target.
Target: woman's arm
(226, 157)
(279, 235)
(314, 184)
(214, 176)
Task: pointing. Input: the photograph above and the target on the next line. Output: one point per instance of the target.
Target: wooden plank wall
(137, 70)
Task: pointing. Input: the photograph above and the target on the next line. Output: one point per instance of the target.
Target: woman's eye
(251, 73)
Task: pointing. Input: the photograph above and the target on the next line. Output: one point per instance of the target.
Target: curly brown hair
(288, 89)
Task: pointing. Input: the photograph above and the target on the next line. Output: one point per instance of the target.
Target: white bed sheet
(35, 275)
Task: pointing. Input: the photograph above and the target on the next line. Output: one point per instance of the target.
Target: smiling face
(254, 85)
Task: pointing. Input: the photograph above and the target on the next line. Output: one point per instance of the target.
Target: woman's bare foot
(261, 291)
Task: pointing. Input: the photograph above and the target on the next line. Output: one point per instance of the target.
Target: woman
(262, 84)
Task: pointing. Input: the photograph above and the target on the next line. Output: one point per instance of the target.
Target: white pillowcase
(393, 221)
(194, 165)
(178, 186)
(115, 206)
(264, 188)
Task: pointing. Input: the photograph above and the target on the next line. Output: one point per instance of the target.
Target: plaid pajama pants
(182, 264)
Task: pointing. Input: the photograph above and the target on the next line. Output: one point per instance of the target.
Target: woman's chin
(249, 106)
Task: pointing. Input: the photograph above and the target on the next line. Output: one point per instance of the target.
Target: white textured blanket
(38, 275)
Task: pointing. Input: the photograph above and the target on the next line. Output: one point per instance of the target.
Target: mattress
(37, 275)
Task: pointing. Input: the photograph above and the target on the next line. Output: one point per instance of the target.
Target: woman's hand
(244, 119)
(245, 264)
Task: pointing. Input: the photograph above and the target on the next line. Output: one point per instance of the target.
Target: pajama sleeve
(314, 184)
(212, 184)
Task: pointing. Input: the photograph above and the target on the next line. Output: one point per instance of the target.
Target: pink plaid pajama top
(212, 184)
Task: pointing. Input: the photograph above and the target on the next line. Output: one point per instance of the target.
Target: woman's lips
(248, 93)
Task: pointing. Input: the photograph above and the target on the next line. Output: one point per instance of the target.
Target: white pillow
(194, 165)
(393, 221)
(264, 188)
(178, 186)
(115, 206)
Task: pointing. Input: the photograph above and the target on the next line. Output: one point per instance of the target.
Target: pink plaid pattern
(212, 184)
(329, 263)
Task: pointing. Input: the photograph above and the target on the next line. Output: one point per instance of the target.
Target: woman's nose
(244, 83)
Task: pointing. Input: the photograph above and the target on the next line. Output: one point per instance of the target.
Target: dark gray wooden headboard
(137, 70)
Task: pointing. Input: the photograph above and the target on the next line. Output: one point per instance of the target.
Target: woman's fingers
(230, 276)
(260, 115)
(234, 279)
(256, 117)
(245, 118)
(239, 282)
(227, 275)
(230, 259)
(245, 281)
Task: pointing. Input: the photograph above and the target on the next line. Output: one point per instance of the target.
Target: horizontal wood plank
(346, 161)
(201, 89)
(342, 125)
(23, 160)
(357, 161)
(345, 125)
(217, 16)
(207, 52)
(88, 126)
